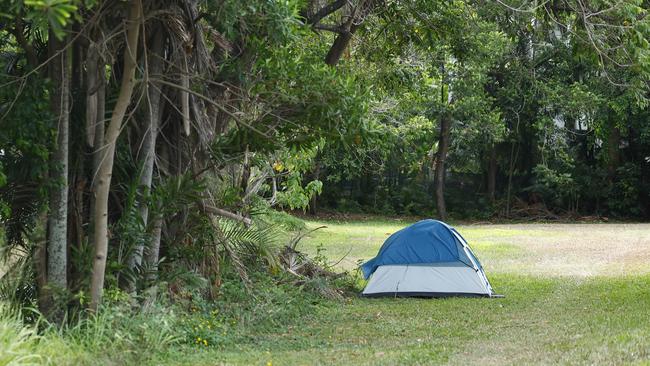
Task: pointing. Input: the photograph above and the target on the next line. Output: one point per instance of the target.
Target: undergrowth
(175, 322)
(120, 335)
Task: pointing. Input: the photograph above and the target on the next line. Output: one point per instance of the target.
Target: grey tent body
(427, 259)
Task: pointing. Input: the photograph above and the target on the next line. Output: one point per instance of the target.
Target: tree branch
(19, 33)
(217, 211)
(325, 11)
(329, 28)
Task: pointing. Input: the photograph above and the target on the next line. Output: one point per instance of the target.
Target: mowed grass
(541, 321)
(575, 294)
(549, 250)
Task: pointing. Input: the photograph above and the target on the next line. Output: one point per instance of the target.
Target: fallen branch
(218, 211)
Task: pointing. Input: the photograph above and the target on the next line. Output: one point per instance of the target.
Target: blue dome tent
(428, 258)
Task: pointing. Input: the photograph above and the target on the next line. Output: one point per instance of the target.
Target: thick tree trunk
(148, 154)
(439, 175)
(492, 173)
(102, 186)
(58, 209)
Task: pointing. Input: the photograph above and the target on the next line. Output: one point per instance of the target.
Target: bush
(269, 303)
(349, 206)
(625, 198)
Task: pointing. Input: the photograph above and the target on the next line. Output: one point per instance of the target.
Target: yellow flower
(205, 342)
(269, 363)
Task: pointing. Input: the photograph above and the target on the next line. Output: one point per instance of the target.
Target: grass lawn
(575, 294)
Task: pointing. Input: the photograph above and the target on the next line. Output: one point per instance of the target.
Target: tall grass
(18, 342)
(114, 336)
(117, 329)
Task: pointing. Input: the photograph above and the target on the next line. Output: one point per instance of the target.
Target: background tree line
(536, 112)
(145, 140)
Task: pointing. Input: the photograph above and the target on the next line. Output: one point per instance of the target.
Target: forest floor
(574, 294)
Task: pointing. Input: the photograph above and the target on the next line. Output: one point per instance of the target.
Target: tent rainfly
(426, 259)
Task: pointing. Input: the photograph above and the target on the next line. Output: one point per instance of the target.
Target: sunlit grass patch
(472, 233)
(496, 249)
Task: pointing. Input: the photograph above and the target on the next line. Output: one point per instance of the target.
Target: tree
(104, 173)
(58, 211)
(446, 101)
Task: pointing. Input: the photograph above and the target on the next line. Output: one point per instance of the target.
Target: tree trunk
(514, 156)
(613, 152)
(19, 33)
(492, 174)
(155, 69)
(98, 137)
(439, 175)
(92, 88)
(339, 46)
(58, 212)
(102, 186)
(443, 144)
(313, 210)
(245, 174)
(185, 96)
(77, 180)
(153, 252)
(343, 39)
(40, 265)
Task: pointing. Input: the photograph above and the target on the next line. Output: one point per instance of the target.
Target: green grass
(552, 314)
(547, 317)
(545, 321)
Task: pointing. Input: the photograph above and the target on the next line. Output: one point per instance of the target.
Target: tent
(427, 259)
